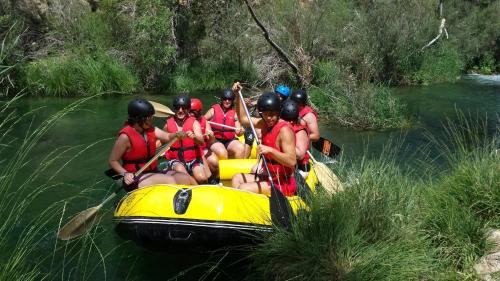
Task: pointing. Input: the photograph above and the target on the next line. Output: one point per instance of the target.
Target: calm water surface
(89, 132)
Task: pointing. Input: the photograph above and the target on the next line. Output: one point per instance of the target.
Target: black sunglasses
(177, 107)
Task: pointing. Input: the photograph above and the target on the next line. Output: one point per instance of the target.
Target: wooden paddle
(279, 206)
(326, 177)
(161, 110)
(222, 125)
(82, 222)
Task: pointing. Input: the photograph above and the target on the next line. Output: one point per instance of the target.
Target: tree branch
(275, 46)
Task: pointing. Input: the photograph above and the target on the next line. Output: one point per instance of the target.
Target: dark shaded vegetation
(348, 51)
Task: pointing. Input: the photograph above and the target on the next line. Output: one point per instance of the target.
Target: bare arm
(209, 114)
(240, 110)
(198, 136)
(209, 133)
(122, 144)
(312, 125)
(301, 144)
(164, 136)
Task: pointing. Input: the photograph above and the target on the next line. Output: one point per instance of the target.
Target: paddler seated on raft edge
(185, 155)
(278, 147)
(136, 145)
(283, 92)
(290, 113)
(226, 145)
(307, 115)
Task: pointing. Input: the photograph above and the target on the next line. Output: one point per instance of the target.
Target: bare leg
(199, 174)
(250, 182)
(236, 150)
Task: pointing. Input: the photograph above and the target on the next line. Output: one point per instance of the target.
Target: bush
(350, 104)
(69, 75)
(440, 63)
(207, 75)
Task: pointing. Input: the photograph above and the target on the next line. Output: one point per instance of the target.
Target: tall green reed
(22, 182)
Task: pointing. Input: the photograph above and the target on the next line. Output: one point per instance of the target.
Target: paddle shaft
(222, 125)
(257, 141)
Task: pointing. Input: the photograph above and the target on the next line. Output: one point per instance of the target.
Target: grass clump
(363, 233)
(355, 105)
(70, 75)
(460, 208)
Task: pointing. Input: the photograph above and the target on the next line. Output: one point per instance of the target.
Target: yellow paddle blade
(79, 224)
(327, 178)
(161, 110)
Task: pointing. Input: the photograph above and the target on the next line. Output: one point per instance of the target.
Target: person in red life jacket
(136, 145)
(226, 144)
(307, 115)
(277, 147)
(185, 155)
(290, 113)
(206, 130)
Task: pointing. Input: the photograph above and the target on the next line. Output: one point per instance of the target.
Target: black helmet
(140, 108)
(227, 94)
(300, 97)
(182, 101)
(289, 110)
(268, 102)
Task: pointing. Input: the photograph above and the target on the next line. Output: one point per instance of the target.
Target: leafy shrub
(68, 75)
(441, 63)
(350, 104)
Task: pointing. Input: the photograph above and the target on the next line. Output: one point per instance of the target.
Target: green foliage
(11, 31)
(440, 63)
(69, 75)
(363, 233)
(207, 76)
(152, 40)
(486, 64)
(339, 95)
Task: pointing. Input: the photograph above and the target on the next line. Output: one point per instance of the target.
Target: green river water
(96, 123)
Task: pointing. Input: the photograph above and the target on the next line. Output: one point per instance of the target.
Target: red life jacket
(142, 150)
(186, 149)
(297, 128)
(306, 110)
(228, 118)
(269, 138)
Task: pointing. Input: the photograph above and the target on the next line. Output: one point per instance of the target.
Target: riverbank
(81, 48)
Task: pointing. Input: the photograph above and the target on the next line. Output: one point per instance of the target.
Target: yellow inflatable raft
(162, 216)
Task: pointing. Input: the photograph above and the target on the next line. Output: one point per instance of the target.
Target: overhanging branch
(275, 46)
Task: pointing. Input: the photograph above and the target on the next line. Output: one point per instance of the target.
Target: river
(96, 123)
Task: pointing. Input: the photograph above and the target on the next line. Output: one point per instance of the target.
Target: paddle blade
(280, 209)
(327, 178)
(161, 110)
(80, 224)
(326, 147)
